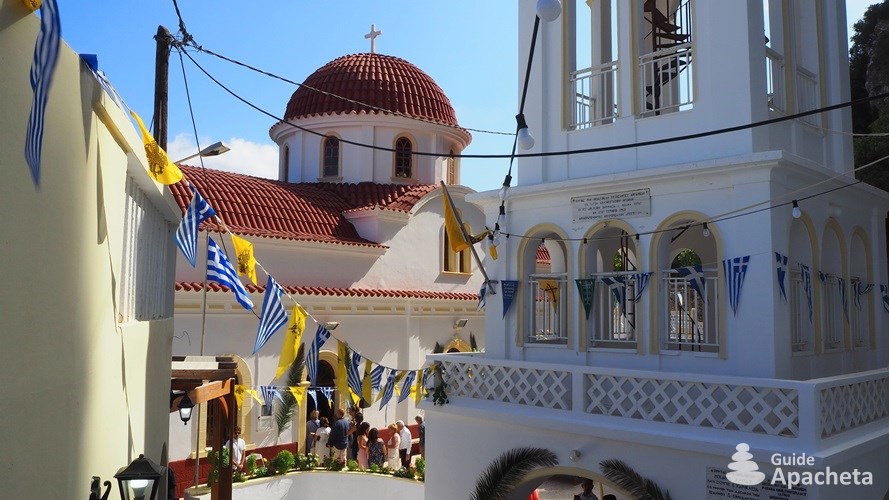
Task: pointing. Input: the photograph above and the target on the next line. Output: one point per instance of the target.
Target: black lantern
(185, 406)
(139, 480)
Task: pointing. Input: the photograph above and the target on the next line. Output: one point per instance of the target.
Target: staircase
(669, 56)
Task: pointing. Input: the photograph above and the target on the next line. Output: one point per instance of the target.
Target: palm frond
(507, 471)
(284, 411)
(472, 343)
(438, 349)
(631, 481)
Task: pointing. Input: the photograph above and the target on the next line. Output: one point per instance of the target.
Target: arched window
(833, 289)
(454, 262)
(330, 163)
(285, 167)
(800, 288)
(860, 286)
(403, 158)
(543, 266)
(610, 258)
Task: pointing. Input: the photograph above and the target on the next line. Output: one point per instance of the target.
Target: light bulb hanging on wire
(797, 213)
(523, 136)
(705, 231)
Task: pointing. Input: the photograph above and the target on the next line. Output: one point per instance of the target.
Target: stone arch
(556, 273)
(536, 477)
(861, 273)
(679, 317)
(831, 280)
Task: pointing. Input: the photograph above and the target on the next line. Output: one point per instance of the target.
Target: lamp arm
(95, 489)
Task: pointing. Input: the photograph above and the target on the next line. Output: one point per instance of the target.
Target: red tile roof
(385, 82)
(255, 206)
(191, 286)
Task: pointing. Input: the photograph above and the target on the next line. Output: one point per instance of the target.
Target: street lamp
(185, 406)
(140, 479)
(214, 149)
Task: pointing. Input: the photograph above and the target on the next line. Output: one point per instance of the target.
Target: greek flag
(806, 276)
(46, 54)
(406, 385)
(187, 234)
(781, 270)
(311, 392)
(481, 297)
(694, 275)
(861, 289)
(220, 270)
(321, 336)
(389, 390)
(273, 314)
(735, 271)
(268, 394)
(376, 377)
(641, 282)
(617, 285)
(354, 376)
(327, 392)
(884, 290)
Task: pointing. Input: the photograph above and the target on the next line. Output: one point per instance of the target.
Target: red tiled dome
(386, 82)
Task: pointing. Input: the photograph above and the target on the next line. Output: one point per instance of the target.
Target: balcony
(813, 413)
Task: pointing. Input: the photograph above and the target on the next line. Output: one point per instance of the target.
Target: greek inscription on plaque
(622, 205)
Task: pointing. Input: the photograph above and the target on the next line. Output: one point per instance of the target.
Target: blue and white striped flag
(268, 394)
(841, 284)
(884, 290)
(46, 54)
(354, 376)
(406, 385)
(694, 275)
(274, 316)
(781, 270)
(376, 377)
(327, 392)
(187, 234)
(861, 289)
(311, 391)
(389, 390)
(321, 336)
(641, 282)
(735, 271)
(220, 270)
(618, 288)
(806, 276)
(481, 297)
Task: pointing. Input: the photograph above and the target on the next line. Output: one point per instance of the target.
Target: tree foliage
(631, 481)
(284, 412)
(505, 473)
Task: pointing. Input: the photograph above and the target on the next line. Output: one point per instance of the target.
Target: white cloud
(245, 157)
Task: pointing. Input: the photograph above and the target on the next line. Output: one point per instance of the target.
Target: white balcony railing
(666, 80)
(807, 97)
(809, 410)
(775, 87)
(595, 96)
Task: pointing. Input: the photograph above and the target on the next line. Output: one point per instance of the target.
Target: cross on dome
(374, 33)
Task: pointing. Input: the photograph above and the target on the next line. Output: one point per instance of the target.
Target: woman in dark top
(375, 448)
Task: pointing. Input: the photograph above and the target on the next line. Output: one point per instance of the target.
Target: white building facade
(662, 372)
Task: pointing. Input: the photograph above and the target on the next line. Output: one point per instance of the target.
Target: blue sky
(470, 47)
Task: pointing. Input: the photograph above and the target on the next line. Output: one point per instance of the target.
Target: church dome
(379, 82)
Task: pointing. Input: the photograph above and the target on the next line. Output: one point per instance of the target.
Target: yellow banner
(299, 394)
(292, 340)
(246, 259)
(418, 389)
(342, 376)
(366, 384)
(160, 167)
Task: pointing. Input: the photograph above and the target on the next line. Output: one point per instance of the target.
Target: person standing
(392, 443)
(238, 446)
(311, 428)
(338, 441)
(421, 430)
(404, 446)
(376, 453)
(361, 439)
(357, 420)
(322, 435)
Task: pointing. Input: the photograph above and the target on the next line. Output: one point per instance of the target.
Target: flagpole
(197, 439)
(468, 239)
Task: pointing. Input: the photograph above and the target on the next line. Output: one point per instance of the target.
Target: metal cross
(373, 35)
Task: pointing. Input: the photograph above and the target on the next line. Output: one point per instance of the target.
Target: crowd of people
(354, 439)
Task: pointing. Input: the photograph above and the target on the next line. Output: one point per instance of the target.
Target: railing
(613, 319)
(776, 89)
(807, 97)
(800, 324)
(595, 93)
(811, 410)
(547, 296)
(666, 79)
(692, 321)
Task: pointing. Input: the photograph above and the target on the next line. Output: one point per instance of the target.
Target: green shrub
(283, 462)
(333, 464)
(352, 465)
(238, 477)
(250, 466)
(214, 459)
(407, 472)
(420, 465)
(261, 472)
(306, 462)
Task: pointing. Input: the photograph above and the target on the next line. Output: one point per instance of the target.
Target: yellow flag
(255, 395)
(492, 249)
(417, 390)
(246, 260)
(342, 377)
(366, 385)
(452, 225)
(397, 383)
(159, 165)
(240, 390)
(32, 5)
(299, 393)
(292, 340)
(552, 290)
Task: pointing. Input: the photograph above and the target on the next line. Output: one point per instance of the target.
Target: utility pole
(161, 84)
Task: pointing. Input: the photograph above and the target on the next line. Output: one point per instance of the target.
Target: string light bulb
(549, 10)
(797, 213)
(523, 136)
(705, 231)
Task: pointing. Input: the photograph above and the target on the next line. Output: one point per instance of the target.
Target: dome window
(403, 158)
(330, 162)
